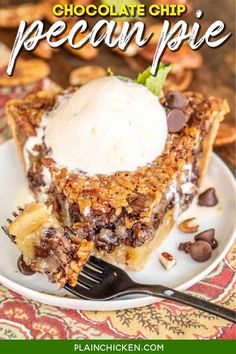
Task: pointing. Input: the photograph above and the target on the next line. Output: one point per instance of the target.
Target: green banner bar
(116, 346)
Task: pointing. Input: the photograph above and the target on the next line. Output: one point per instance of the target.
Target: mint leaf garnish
(120, 77)
(124, 78)
(110, 72)
(154, 83)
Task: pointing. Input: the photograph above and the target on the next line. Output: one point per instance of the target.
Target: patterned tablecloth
(21, 318)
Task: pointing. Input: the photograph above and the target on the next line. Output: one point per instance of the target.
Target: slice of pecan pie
(48, 247)
(129, 213)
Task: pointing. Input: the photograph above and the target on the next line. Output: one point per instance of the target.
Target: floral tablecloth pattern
(28, 319)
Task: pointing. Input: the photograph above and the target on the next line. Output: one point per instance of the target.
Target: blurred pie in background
(13, 11)
(29, 76)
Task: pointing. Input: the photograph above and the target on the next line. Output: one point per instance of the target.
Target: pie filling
(85, 214)
(108, 227)
(60, 249)
(48, 247)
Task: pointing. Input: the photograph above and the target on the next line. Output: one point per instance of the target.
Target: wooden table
(215, 77)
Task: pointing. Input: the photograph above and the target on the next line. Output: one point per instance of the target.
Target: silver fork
(100, 280)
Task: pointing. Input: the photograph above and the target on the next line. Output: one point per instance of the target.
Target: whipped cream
(106, 126)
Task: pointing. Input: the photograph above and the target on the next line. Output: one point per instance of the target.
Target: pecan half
(189, 226)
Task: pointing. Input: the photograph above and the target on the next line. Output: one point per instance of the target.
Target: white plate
(183, 275)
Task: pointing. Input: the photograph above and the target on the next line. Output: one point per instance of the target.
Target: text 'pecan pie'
(114, 164)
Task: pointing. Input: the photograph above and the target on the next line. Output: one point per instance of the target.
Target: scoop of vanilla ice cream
(106, 126)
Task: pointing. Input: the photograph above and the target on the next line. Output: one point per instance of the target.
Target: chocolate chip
(175, 120)
(23, 267)
(176, 99)
(137, 203)
(43, 250)
(74, 212)
(208, 198)
(214, 244)
(200, 251)
(185, 246)
(50, 231)
(208, 236)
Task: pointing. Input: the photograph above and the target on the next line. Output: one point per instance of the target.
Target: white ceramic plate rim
(118, 304)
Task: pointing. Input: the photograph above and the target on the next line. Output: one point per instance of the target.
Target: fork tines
(90, 275)
(4, 228)
(12, 238)
(94, 275)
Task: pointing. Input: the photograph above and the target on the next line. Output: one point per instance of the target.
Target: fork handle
(171, 294)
